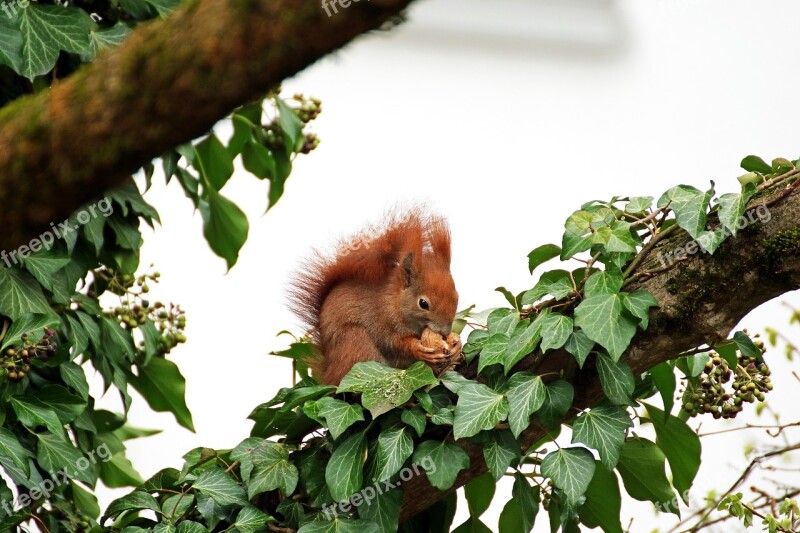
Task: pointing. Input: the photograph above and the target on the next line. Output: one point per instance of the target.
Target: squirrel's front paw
(430, 348)
(454, 347)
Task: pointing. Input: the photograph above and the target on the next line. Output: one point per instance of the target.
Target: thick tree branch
(701, 300)
(167, 84)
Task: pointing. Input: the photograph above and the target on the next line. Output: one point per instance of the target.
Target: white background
(505, 116)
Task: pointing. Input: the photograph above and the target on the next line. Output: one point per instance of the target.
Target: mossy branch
(167, 84)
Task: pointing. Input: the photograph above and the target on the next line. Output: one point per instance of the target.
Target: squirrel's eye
(423, 304)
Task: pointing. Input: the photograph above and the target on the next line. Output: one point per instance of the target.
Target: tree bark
(166, 85)
(701, 300)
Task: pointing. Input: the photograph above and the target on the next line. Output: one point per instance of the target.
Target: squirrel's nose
(442, 329)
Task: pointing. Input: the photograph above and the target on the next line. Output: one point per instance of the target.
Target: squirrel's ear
(408, 269)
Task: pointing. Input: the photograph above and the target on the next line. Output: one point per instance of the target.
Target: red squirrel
(375, 297)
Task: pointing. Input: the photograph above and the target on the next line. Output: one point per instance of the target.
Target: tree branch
(166, 85)
(701, 300)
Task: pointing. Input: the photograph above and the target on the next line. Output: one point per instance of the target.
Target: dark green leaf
(541, 254)
(446, 460)
(603, 428)
(163, 386)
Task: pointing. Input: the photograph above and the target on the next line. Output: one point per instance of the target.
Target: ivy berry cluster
(307, 110)
(136, 311)
(16, 360)
(709, 394)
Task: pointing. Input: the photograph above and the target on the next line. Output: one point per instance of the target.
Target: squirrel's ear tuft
(439, 236)
(408, 270)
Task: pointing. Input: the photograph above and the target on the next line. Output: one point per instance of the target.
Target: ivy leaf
(690, 206)
(479, 493)
(555, 282)
(603, 428)
(344, 473)
(543, 253)
(522, 342)
(341, 525)
(526, 394)
(558, 397)
(579, 345)
(225, 226)
(33, 413)
(492, 351)
(116, 341)
(85, 501)
(394, 447)
(290, 124)
(415, 417)
(67, 406)
(500, 453)
(48, 29)
(55, 454)
(731, 208)
(638, 303)
(603, 282)
(746, 345)
(163, 386)
(44, 265)
(478, 408)
(30, 324)
(603, 503)
(578, 237)
(136, 500)
(642, 467)
(472, 525)
(100, 40)
(221, 487)
(10, 43)
(271, 470)
(711, 240)
(519, 513)
(383, 510)
(616, 378)
(20, 295)
(250, 520)
(663, 377)
(382, 388)
(616, 238)
(213, 161)
(680, 444)
(571, 470)
(753, 163)
(600, 317)
(502, 321)
(258, 160)
(11, 448)
(447, 460)
(164, 7)
(556, 330)
(637, 204)
(338, 415)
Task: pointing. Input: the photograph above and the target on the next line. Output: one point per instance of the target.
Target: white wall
(506, 116)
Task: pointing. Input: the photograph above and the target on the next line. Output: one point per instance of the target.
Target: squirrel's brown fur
(367, 303)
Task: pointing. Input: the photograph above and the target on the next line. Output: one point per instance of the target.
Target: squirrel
(374, 299)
